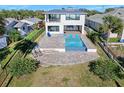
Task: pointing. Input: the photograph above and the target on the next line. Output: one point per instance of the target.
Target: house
(96, 20)
(64, 20)
(65, 32)
(23, 28)
(3, 41)
(10, 23)
(32, 21)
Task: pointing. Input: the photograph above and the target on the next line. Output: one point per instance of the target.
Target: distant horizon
(100, 8)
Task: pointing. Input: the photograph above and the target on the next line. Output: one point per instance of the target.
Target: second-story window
(54, 17)
(72, 17)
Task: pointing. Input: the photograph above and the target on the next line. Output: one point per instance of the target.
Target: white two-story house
(60, 21)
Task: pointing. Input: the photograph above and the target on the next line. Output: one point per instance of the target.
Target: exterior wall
(63, 22)
(113, 35)
(91, 50)
(53, 49)
(3, 42)
(122, 37)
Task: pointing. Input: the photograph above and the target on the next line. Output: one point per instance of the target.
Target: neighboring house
(3, 41)
(23, 28)
(60, 21)
(10, 23)
(32, 21)
(96, 20)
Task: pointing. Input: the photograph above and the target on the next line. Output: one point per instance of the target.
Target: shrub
(23, 66)
(106, 69)
(3, 53)
(15, 35)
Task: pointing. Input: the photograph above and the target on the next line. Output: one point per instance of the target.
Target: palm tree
(2, 24)
(112, 24)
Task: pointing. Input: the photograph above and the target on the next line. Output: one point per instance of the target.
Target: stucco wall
(63, 22)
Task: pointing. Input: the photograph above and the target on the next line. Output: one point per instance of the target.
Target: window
(23, 28)
(53, 28)
(72, 27)
(72, 17)
(54, 17)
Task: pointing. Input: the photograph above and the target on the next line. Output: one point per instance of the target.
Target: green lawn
(61, 76)
(64, 76)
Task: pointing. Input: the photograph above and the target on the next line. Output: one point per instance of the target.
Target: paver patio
(51, 57)
(66, 58)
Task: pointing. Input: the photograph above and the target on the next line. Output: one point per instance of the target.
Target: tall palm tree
(112, 24)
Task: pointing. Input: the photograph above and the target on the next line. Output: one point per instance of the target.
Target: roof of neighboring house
(33, 20)
(20, 24)
(118, 12)
(96, 18)
(65, 11)
(11, 20)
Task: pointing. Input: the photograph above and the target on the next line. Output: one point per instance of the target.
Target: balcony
(54, 20)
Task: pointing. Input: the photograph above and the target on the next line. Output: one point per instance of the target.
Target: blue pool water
(74, 43)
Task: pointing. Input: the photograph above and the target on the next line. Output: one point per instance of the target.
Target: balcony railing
(53, 20)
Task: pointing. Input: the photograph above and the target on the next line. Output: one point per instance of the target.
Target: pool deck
(66, 58)
(50, 57)
(55, 41)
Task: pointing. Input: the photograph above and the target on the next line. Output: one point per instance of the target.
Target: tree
(109, 10)
(14, 35)
(93, 36)
(2, 28)
(106, 69)
(22, 66)
(21, 14)
(113, 24)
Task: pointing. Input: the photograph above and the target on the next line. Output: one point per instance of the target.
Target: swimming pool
(74, 43)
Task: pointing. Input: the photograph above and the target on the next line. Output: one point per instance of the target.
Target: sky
(49, 7)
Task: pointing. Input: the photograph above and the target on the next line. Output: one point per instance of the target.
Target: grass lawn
(62, 76)
(113, 40)
(74, 75)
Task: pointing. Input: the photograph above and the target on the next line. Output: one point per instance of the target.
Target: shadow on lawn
(3, 53)
(25, 46)
(121, 59)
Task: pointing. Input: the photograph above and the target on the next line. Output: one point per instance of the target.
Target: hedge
(33, 35)
(7, 59)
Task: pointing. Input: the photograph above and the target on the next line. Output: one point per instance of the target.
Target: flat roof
(65, 11)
